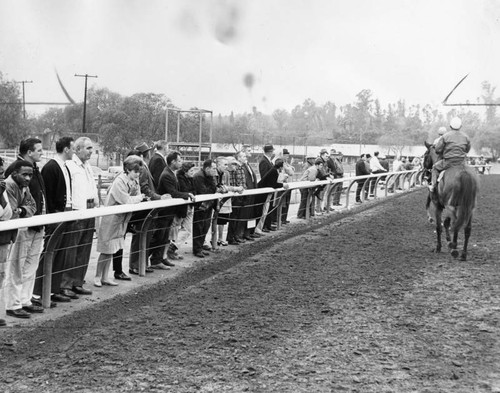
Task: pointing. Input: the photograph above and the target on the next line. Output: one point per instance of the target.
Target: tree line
(121, 122)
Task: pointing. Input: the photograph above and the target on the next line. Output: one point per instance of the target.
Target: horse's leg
(446, 224)
(439, 229)
(453, 245)
(467, 231)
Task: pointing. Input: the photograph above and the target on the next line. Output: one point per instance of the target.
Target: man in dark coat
(158, 161)
(336, 168)
(270, 180)
(58, 189)
(204, 183)
(168, 184)
(248, 209)
(361, 170)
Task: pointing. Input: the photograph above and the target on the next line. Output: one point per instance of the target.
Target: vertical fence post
(143, 241)
(48, 260)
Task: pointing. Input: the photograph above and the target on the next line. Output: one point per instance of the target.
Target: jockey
(453, 147)
(441, 132)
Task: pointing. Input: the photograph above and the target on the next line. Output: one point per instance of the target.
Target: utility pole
(24, 99)
(85, 98)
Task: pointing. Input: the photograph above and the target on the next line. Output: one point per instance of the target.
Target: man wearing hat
(336, 168)
(265, 165)
(454, 146)
(286, 175)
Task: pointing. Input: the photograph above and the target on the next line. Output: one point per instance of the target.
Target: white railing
(404, 179)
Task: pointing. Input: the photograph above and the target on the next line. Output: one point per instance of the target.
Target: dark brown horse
(452, 203)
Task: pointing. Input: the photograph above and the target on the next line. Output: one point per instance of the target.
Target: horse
(454, 198)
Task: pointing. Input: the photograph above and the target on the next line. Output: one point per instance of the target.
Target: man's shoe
(222, 243)
(133, 271)
(256, 235)
(199, 254)
(38, 302)
(33, 309)
(3, 323)
(82, 291)
(97, 282)
(249, 239)
(285, 222)
(160, 266)
(166, 262)
(149, 269)
(207, 247)
(272, 229)
(69, 293)
(122, 276)
(19, 313)
(206, 253)
(240, 240)
(60, 298)
(265, 230)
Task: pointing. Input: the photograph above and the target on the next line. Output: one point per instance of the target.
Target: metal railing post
(55, 239)
(143, 241)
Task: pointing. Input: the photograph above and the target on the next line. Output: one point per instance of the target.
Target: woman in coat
(111, 236)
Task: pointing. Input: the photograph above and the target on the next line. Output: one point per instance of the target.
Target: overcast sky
(198, 52)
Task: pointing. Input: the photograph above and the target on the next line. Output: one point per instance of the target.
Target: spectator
(323, 174)
(249, 211)
(21, 267)
(224, 184)
(266, 162)
(309, 174)
(5, 240)
(169, 185)
(57, 181)
(271, 179)
(182, 228)
(124, 190)
(376, 168)
(204, 183)
(84, 196)
(287, 175)
(361, 170)
(336, 168)
(30, 241)
(146, 183)
(158, 161)
(236, 227)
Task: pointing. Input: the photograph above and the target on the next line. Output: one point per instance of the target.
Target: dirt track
(361, 305)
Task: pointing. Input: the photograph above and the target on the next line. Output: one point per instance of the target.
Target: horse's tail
(464, 198)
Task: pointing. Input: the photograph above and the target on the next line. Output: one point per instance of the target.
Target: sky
(225, 56)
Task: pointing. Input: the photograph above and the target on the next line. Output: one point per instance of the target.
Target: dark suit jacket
(361, 170)
(156, 166)
(270, 179)
(250, 177)
(168, 184)
(264, 166)
(55, 187)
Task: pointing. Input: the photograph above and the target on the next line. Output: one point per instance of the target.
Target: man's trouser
(22, 264)
(78, 253)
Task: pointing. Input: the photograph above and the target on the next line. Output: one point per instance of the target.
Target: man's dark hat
(268, 148)
(285, 151)
(142, 147)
